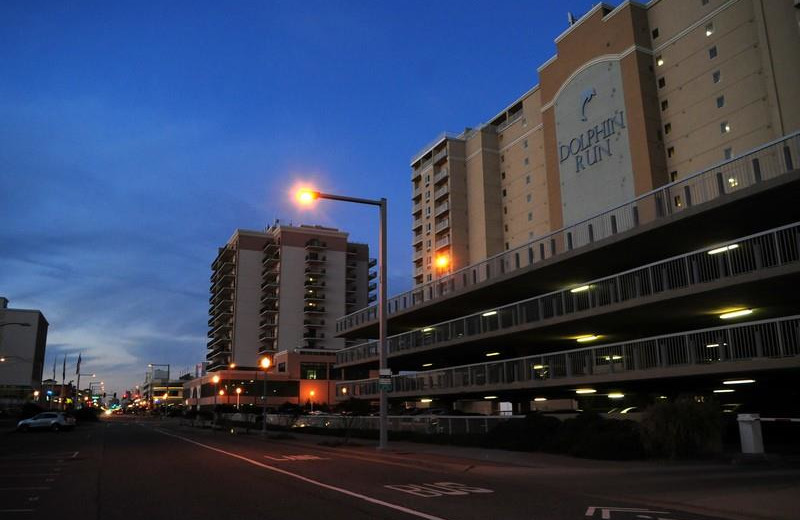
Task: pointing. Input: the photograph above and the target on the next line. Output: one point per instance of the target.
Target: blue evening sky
(136, 136)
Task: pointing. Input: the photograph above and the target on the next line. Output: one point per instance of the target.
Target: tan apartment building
(283, 288)
(636, 97)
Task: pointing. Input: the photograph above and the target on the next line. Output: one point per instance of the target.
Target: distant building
(297, 376)
(283, 288)
(23, 338)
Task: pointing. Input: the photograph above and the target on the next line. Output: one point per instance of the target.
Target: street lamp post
(238, 396)
(311, 398)
(307, 196)
(265, 364)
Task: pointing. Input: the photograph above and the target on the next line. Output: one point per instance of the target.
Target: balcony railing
(441, 208)
(440, 175)
(760, 252)
(714, 350)
(444, 241)
(766, 162)
(441, 226)
(441, 192)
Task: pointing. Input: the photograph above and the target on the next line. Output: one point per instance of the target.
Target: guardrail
(763, 163)
(767, 339)
(765, 250)
(442, 424)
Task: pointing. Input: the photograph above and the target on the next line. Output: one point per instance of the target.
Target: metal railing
(763, 163)
(425, 149)
(759, 340)
(431, 424)
(766, 250)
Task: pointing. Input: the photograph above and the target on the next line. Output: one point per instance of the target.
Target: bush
(590, 436)
(529, 434)
(683, 428)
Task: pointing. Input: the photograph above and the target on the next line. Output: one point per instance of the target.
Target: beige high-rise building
(637, 96)
(283, 288)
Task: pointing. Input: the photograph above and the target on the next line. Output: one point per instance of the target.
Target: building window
(529, 197)
(664, 105)
(716, 76)
(505, 210)
(662, 82)
(527, 161)
(502, 158)
(712, 52)
(428, 195)
(655, 33)
(428, 260)
(505, 227)
(502, 175)
(667, 128)
(673, 176)
(727, 153)
(428, 211)
(530, 216)
(720, 101)
(678, 202)
(428, 227)
(506, 246)
(703, 2)
(670, 151)
(313, 371)
(527, 179)
(429, 278)
(525, 143)
(281, 367)
(709, 29)
(724, 127)
(504, 192)
(428, 244)
(427, 179)
(659, 60)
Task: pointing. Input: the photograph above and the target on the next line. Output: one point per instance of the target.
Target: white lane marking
(295, 457)
(605, 511)
(306, 479)
(437, 489)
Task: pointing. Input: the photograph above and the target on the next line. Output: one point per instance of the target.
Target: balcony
(718, 350)
(417, 192)
(443, 242)
(417, 224)
(441, 209)
(416, 208)
(313, 296)
(314, 324)
(269, 297)
(316, 245)
(218, 318)
(315, 271)
(270, 260)
(441, 192)
(312, 308)
(314, 258)
(268, 336)
(441, 156)
(442, 225)
(372, 263)
(268, 310)
(313, 283)
(440, 176)
(418, 254)
(417, 239)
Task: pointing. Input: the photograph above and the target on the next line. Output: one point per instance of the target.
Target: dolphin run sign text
(594, 144)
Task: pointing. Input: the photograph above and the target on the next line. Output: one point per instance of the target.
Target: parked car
(55, 421)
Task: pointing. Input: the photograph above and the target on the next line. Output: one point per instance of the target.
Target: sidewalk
(766, 489)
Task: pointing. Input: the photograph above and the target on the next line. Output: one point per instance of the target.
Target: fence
(768, 339)
(769, 161)
(765, 250)
(428, 424)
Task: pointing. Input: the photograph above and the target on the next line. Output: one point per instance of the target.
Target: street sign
(385, 379)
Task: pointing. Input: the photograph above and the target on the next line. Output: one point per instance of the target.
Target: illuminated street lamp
(308, 196)
(311, 398)
(265, 364)
(238, 396)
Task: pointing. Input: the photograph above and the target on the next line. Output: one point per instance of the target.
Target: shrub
(683, 428)
(528, 434)
(591, 436)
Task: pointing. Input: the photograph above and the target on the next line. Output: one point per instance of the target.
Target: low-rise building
(23, 338)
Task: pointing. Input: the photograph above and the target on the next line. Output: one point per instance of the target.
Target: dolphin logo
(586, 96)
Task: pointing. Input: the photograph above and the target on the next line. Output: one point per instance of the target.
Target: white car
(55, 421)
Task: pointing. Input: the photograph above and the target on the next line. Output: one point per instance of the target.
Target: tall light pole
(307, 196)
(265, 364)
(238, 396)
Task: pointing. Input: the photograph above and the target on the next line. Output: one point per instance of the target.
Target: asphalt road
(124, 468)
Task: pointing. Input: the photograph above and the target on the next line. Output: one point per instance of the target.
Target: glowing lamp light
(739, 382)
(487, 314)
(538, 367)
(492, 354)
(214, 379)
(539, 399)
(724, 391)
(735, 314)
(265, 363)
(221, 391)
(580, 289)
(587, 338)
(344, 390)
(238, 390)
(426, 400)
(582, 391)
(616, 395)
(442, 261)
(306, 196)
(425, 365)
(723, 249)
(490, 397)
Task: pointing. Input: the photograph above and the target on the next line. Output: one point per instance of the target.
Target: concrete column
(750, 433)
